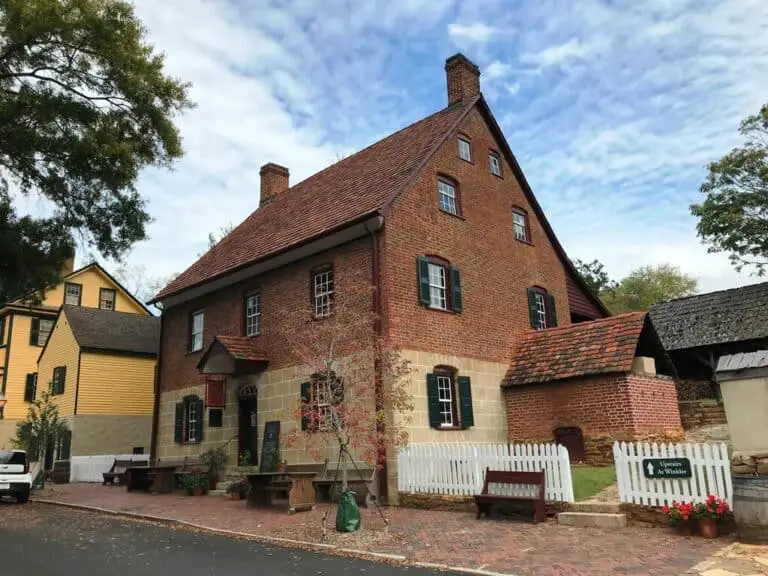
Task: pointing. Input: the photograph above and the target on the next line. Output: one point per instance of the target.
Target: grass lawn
(588, 480)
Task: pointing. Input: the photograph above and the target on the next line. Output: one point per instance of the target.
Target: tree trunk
(343, 464)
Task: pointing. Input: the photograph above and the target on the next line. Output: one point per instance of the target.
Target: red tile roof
(355, 187)
(240, 348)
(598, 347)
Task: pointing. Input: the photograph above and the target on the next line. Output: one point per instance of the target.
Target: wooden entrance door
(248, 437)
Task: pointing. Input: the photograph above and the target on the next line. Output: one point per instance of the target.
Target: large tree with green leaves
(647, 286)
(85, 104)
(594, 275)
(733, 218)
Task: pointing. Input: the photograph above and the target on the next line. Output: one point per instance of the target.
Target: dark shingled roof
(119, 331)
(715, 318)
(599, 347)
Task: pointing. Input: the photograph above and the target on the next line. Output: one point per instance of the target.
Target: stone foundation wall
(448, 503)
(94, 435)
(750, 463)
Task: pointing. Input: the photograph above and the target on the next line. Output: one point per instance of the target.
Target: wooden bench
(119, 471)
(530, 490)
(361, 481)
(284, 485)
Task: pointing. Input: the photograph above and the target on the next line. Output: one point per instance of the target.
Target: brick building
(588, 385)
(438, 218)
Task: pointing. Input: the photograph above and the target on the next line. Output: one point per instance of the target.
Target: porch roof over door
(232, 355)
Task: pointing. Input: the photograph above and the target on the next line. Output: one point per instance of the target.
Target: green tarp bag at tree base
(348, 513)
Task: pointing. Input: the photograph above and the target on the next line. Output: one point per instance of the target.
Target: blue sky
(613, 108)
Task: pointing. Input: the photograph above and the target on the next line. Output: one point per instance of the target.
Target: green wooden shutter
(306, 398)
(532, 309)
(456, 300)
(63, 376)
(551, 312)
(422, 268)
(433, 400)
(465, 402)
(55, 384)
(200, 419)
(34, 333)
(66, 445)
(29, 388)
(178, 424)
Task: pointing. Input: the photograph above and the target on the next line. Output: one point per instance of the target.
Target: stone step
(219, 493)
(595, 507)
(223, 485)
(592, 520)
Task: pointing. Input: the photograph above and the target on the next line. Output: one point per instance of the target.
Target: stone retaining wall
(700, 413)
(755, 463)
(448, 503)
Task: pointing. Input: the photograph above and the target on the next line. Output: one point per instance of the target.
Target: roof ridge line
(713, 292)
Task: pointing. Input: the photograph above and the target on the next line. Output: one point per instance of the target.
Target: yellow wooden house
(26, 324)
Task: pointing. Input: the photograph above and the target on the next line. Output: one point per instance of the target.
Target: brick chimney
(463, 78)
(274, 180)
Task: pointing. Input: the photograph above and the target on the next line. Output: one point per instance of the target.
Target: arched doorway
(248, 429)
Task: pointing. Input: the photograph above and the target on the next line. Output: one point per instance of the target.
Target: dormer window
(465, 149)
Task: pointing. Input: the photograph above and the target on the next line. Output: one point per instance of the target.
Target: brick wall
(606, 408)
(282, 290)
(496, 269)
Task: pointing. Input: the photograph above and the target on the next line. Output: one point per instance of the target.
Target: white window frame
(323, 286)
(192, 421)
(43, 335)
(253, 314)
(446, 192)
(520, 223)
(196, 333)
(445, 396)
(78, 295)
(322, 397)
(465, 146)
(541, 310)
(494, 163)
(102, 300)
(438, 286)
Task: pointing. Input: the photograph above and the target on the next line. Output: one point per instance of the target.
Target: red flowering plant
(679, 512)
(714, 508)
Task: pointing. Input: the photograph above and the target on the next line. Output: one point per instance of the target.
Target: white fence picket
(710, 468)
(459, 469)
(91, 468)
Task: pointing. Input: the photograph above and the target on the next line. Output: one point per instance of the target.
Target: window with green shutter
(30, 387)
(178, 423)
(542, 309)
(439, 284)
(59, 380)
(306, 406)
(449, 399)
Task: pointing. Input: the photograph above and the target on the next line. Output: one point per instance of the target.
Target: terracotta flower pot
(708, 527)
(235, 496)
(197, 491)
(684, 528)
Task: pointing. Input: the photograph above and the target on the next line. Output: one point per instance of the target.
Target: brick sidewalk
(451, 538)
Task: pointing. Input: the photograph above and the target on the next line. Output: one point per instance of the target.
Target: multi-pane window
(59, 380)
(465, 150)
(447, 193)
(196, 331)
(253, 314)
(193, 421)
(72, 294)
(520, 223)
(438, 287)
(40, 331)
(446, 397)
(106, 299)
(541, 310)
(494, 163)
(322, 398)
(322, 281)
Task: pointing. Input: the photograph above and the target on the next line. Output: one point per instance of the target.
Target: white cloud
(477, 32)
(560, 54)
(496, 70)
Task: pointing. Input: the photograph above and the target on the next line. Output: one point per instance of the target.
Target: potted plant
(196, 483)
(216, 460)
(238, 489)
(708, 513)
(679, 515)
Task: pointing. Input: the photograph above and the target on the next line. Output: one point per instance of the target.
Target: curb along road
(282, 542)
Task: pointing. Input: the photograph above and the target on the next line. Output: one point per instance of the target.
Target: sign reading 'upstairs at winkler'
(667, 468)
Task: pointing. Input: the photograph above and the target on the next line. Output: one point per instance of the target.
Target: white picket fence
(710, 466)
(459, 469)
(90, 468)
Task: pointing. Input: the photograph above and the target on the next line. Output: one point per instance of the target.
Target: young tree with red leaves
(357, 400)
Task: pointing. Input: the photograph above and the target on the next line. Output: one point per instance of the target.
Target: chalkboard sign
(667, 468)
(270, 447)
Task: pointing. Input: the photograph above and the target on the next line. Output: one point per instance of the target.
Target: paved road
(40, 540)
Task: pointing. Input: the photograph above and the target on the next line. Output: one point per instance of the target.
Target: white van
(15, 478)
